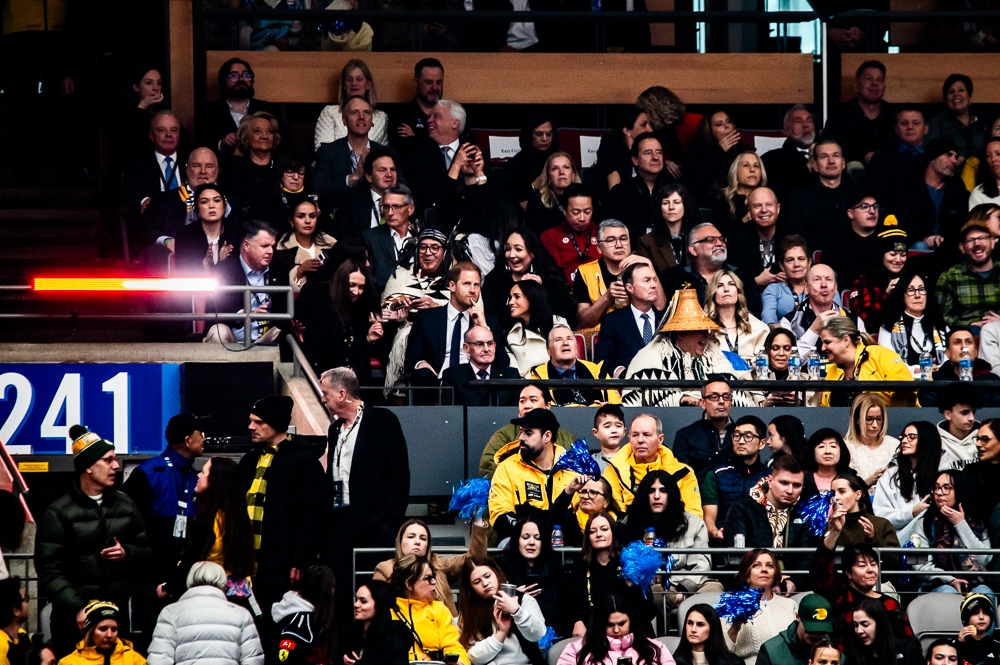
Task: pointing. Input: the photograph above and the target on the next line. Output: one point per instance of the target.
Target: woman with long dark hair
(904, 490)
(877, 283)
(912, 322)
(528, 563)
(614, 154)
(203, 244)
(537, 141)
(779, 345)
(702, 640)
(375, 639)
(860, 525)
(872, 640)
(759, 569)
(674, 212)
(824, 456)
(301, 249)
(305, 617)
(615, 632)
(496, 627)
(532, 320)
(786, 435)
(717, 146)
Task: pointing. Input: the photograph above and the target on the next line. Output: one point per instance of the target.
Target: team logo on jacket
(285, 649)
(533, 491)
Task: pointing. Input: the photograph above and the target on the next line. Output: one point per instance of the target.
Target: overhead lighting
(185, 284)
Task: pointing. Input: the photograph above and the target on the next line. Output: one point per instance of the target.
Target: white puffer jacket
(203, 628)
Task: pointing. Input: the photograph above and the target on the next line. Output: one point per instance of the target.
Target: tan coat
(320, 240)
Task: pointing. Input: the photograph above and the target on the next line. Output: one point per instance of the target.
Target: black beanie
(973, 603)
(276, 411)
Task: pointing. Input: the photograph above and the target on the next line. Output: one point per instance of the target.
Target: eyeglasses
(394, 207)
(110, 460)
(873, 419)
(916, 290)
(865, 207)
(590, 494)
(246, 76)
(746, 437)
(977, 239)
(984, 439)
(428, 578)
(943, 489)
(619, 241)
(713, 397)
(712, 240)
(430, 249)
(482, 345)
(909, 437)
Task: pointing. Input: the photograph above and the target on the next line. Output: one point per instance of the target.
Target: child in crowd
(824, 653)
(609, 428)
(973, 644)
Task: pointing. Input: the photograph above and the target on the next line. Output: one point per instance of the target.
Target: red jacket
(569, 252)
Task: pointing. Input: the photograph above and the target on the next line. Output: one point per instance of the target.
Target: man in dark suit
(368, 465)
(788, 166)
(625, 331)
(754, 245)
(156, 170)
(219, 120)
(340, 165)
(361, 207)
(428, 165)
(481, 349)
(435, 341)
(386, 242)
(632, 200)
(818, 211)
(409, 123)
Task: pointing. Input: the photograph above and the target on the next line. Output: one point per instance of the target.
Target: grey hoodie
(959, 453)
(290, 605)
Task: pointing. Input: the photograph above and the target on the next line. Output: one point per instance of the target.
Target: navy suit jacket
(464, 380)
(429, 335)
(382, 253)
(333, 165)
(620, 338)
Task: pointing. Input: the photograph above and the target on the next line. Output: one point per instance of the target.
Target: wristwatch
(480, 178)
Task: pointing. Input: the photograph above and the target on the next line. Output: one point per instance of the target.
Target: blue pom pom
(548, 639)
(815, 511)
(739, 606)
(639, 563)
(738, 363)
(470, 497)
(579, 460)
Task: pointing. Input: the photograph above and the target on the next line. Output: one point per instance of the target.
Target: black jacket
(546, 574)
(851, 256)
(698, 445)
(631, 202)
(71, 534)
(327, 342)
(786, 169)
(215, 122)
(333, 165)
(915, 210)
(354, 214)
(816, 212)
(230, 273)
(582, 591)
(389, 647)
(749, 518)
(948, 371)
(298, 499)
(857, 134)
(621, 339)
(429, 333)
(707, 170)
(461, 377)
(382, 253)
(427, 173)
(144, 179)
(380, 477)
(191, 246)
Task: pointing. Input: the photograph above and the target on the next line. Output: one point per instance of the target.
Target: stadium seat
(581, 345)
(709, 598)
(934, 615)
(556, 650)
(671, 642)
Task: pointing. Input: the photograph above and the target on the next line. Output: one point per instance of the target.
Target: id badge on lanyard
(181, 521)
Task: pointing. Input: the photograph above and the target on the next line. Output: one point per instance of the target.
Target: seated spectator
(100, 641)
(856, 577)
(959, 430)
(429, 620)
(341, 163)
(129, 129)
(565, 363)
(759, 569)
(911, 321)
(625, 331)
(387, 244)
(609, 430)
(975, 644)
(481, 349)
(525, 258)
(892, 163)
(824, 456)
(988, 189)
(631, 200)
(740, 335)
(764, 517)
(340, 325)
(865, 123)
(538, 142)
(708, 442)
(785, 436)
(945, 525)
(15, 643)
(818, 211)
(528, 563)
(288, 189)
(746, 173)
(614, 154)
(942, 650)
(779, 346)
(870, 448)
(409, 124)
(807, 640)
(961, 343)
(356, 80)
(904, 490)
(218, 124)
(754, 243)
(680, 350)
(855, 251)
(533, 320)
(546, 206)
(968, 291)
(490, 616)
(780, 298)
(807, 319)
(373, 632)
(157, 166)
(701, 634)
(717, 146)
(852, 522)
(598, 285)
(674, 212)
(250, 172)
(932, 208)
(672, 123)
(595, 576)
(615, 632)
(854, 356)
(725, 484)
(304, 246)
(532, 396)
(871, 289)
(789, 165)
(360, 207)
(435, 342)
(203, 624)
(486, 234)
(871, 639)
(414, 538)
(643, 453)
(583, 497)
(201, 245)
(957, 122)
(983, 474)
(575, 240)
(432, 164)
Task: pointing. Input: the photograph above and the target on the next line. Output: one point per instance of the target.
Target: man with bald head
(753, 245)
(157, 168)
(806, 320)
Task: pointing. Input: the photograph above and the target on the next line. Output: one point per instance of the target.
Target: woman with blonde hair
(355, 80)
(746, 174)
(871, 450)
(545, 208)
(250, 173)
(989, 213)
(429, 621)
(741, 333)
(854, 356)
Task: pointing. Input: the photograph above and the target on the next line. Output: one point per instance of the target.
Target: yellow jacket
(594, 279)
(877, 363)
(123, 654)
(625, 474)
(432, 623)
(607, 396)
(517, 482)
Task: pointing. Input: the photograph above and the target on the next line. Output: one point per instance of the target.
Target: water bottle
(650, 536)
(763, 371)
(557, 536)
(739, 540)
(965, 365)
(815, 366)
(926, 363)
(795, 365)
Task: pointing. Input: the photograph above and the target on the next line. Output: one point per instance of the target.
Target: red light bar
(123, 284)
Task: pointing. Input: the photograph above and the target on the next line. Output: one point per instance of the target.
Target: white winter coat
(529, 621)
(889, 501)
(203, 628)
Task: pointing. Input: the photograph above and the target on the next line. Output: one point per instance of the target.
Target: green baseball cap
(814, 612)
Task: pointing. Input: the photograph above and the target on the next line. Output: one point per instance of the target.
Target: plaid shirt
(966, 296)
(867, 299)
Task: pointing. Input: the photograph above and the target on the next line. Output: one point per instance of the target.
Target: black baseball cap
(542, 419)
(182, 426)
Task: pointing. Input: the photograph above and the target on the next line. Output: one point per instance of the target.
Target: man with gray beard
(788, 166)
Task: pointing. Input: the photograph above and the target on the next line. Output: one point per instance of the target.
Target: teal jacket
(786, 649)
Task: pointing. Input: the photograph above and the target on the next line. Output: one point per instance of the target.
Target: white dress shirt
(355, 159)
(449, 327)
(166, 176)
(397, 240)
(343, 454)
(452, 149)
(376, 211)
(639, 323)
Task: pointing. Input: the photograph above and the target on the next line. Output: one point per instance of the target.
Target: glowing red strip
(123, 284)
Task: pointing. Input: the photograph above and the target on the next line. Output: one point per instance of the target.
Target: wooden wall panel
(182, 61)
(917, 78)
